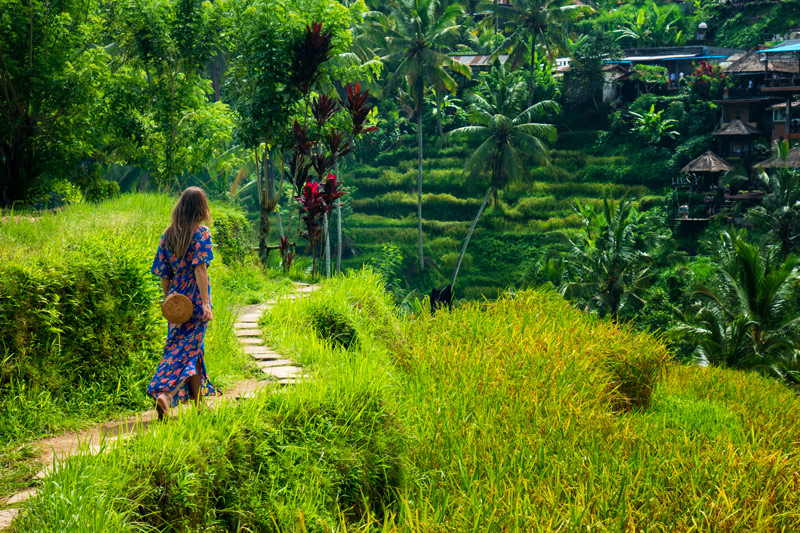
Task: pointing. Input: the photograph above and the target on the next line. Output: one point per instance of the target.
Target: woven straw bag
(177, 308)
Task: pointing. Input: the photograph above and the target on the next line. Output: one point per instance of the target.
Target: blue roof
(788, 46)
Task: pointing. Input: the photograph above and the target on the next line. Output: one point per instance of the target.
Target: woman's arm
(165, 285)
(201, 277)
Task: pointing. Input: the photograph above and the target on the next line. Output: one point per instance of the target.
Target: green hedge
(83, 319)
(232, 235)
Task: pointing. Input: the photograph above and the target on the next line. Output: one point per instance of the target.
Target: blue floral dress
(184, 350)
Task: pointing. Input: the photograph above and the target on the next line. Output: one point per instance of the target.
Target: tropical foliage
(606, 263)
(747, 318)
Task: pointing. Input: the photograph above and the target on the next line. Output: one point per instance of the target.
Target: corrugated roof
(783, 104)
(659, 58)
(785, 47)
(708, 162)
(478, 60)
(737, 127)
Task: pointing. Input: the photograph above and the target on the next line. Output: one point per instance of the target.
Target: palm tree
(606, 263)
(535, 22)
(416, 33)
(745, 321)
(505, 136)
(780, 208)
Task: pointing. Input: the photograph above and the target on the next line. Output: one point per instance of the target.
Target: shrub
(332, 326)
(75, 321)
(231, 235)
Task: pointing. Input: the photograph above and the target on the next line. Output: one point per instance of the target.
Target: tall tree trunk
(419, 174)
(338, 227)
(327, 235)
(439, 117)
(278, 193)
(338, 238)
(532, 70)
(469, 236)
(266, 181)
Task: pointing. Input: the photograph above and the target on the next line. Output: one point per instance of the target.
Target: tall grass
(510, 415)
(315, 458)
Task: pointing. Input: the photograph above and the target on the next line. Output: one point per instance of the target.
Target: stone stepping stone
(21, 496)
(268, 356)
(281, 372)
(274, 363)
(248, 332)
(261, 352)
(7, 516)
(246, 325)
(249, 318)
(249, 340)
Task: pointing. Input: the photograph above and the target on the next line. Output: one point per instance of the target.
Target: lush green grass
(324, 454)
(520, 414)
(79, 363)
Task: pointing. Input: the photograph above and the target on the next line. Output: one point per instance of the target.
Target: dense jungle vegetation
(600, 366)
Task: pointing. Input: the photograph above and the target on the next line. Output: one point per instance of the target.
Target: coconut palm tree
(535, 23)
(505, 136)
(606, 263)
(780, 208)
(746, 321)
(417, 33)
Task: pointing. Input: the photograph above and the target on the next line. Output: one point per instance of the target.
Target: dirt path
(277, 368)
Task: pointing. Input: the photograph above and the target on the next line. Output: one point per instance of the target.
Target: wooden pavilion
(737, 139)
(702, 179)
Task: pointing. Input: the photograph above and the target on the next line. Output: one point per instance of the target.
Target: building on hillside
(680, 62)
(746, 100)
(737, 139)
(478, 62)
(698, 195)
(676, 59)
(784, 86)
(792, 161)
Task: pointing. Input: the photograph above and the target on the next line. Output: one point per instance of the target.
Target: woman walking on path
(182, 262)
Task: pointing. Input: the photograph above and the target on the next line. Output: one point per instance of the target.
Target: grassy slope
(508, 236)
(502, 416)
(135, 222)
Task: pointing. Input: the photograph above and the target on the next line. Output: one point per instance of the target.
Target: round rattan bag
(177, 308)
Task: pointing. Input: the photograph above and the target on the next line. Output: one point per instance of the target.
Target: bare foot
(162, 406)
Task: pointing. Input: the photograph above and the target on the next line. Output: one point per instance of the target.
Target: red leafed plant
(313, 205)
(309, 53)
(331, 191)
(302, 143)
(356, 106)
(323, 108)
(298, 170)
(339, 145)
(288, 256)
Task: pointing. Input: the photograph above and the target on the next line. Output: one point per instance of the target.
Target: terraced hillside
(510, 235)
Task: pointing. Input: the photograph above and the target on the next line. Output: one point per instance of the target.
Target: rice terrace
(414, 265)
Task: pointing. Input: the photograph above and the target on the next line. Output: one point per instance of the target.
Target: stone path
(276, 367)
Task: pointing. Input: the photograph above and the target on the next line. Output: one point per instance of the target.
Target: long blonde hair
(188, 213)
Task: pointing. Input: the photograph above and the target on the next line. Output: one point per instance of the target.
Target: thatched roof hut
(737, 128)
(708, 162)
(792, 161)
(751, 63)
